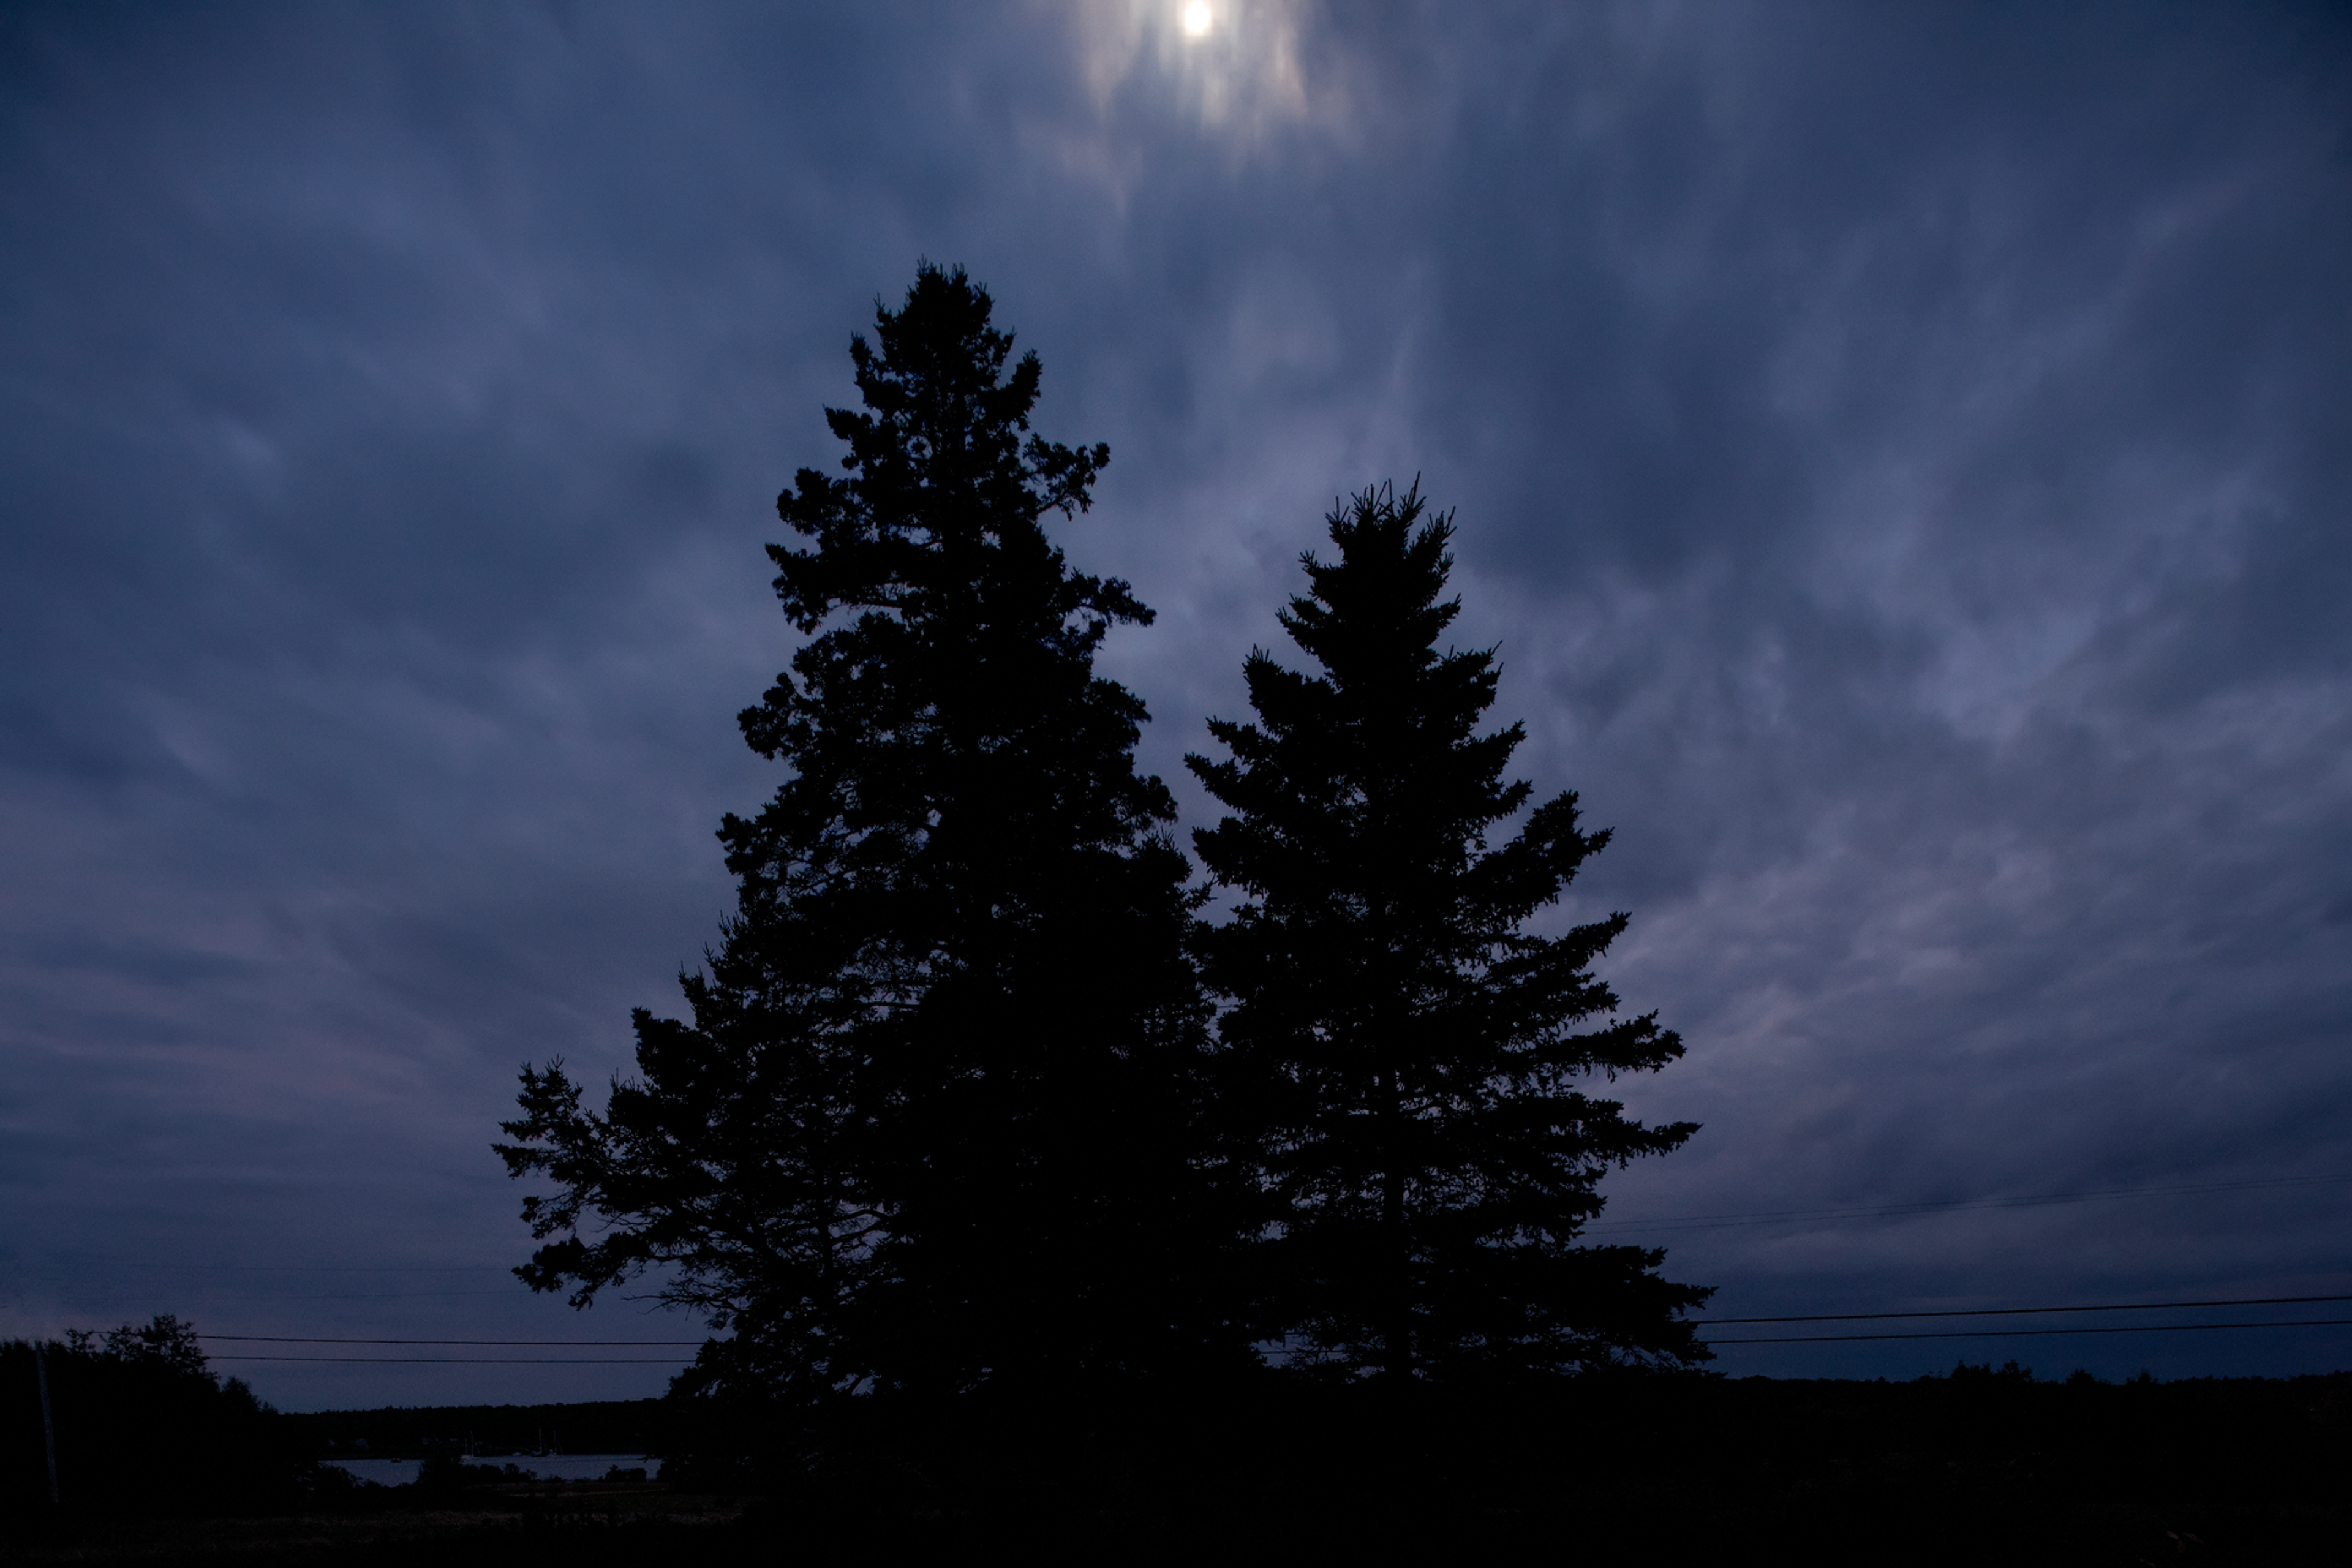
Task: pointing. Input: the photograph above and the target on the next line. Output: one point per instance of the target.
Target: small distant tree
(162, 1341)
(932, 1121)
(1413, 1064)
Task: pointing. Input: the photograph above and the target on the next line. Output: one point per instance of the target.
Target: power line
(1754, 1340)
(2035, 1333)
(554, 1344)
(2011, 1312)
(470, 1361)
(1716, 1323)
(101, 1260)
(1897, 1211)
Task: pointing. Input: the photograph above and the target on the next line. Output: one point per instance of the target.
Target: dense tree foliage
(1410, 1063)
(137, 1423)
(947, 1112)
(933, 1120)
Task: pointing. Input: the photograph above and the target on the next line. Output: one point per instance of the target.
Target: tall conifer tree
(1410, 1064)
(931, 1124)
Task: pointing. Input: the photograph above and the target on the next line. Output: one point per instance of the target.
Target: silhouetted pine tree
(1409, 1061)
(932, 1124)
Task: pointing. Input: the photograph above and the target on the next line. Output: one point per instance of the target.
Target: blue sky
(1900, 453)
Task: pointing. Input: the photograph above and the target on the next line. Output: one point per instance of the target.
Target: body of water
(546, 1467)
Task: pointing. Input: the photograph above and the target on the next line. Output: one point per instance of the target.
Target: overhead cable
(552, 1344)
(2014, 1311)
(2031, 1333)
(470, 1361)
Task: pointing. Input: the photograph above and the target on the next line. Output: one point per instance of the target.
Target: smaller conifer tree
(1409, 1064)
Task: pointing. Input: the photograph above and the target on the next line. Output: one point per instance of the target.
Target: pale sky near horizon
(1902, 454)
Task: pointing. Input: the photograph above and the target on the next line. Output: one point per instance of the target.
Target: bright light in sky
(1196, 18)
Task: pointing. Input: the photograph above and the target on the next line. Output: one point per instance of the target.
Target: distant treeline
(490, 1431)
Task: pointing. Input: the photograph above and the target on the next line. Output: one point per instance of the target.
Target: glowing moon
(1196, 18)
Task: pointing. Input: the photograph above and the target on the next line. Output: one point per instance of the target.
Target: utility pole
(48, 1430)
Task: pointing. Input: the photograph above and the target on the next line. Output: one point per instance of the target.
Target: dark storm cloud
(1899, 454)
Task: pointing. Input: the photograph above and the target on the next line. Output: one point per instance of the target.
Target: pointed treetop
(939, 464)
(1378, 601)
(936, 390)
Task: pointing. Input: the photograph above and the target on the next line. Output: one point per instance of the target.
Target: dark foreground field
(1977, 1468)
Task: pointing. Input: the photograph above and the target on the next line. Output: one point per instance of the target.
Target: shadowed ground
(1974, 1467)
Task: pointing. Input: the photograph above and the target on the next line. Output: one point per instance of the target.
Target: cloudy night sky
(1902, 454)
